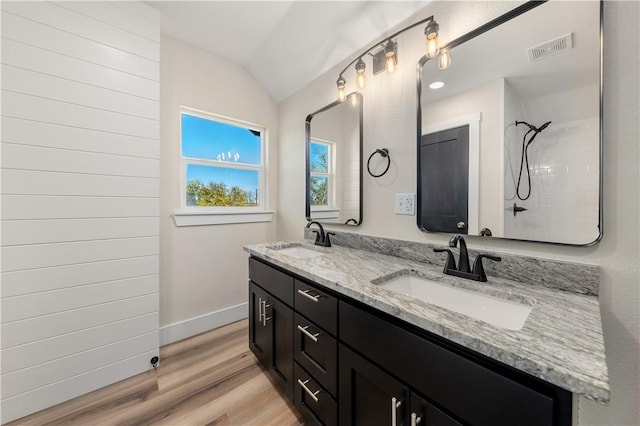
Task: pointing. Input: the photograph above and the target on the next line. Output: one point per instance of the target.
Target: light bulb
(432, 47)
(391, 63)
(354, 100)
(431, 44)
(444, 60)
(341, 83)
(389, 53)
(361, 79)
(342, 95)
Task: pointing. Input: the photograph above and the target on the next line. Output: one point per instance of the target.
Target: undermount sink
(502, 313)
(295, 250)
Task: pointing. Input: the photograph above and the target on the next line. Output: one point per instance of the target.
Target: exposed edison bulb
(360, 76)
(391, 63)
(390, 55)
(341, 83)
(342, 95)
(362, 81)
(431, 44)
(432, 47)
(444, 60)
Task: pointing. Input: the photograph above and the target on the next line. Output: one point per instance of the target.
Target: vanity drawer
(274, 281)
(317, 352)
(312, 401)
(318, 306)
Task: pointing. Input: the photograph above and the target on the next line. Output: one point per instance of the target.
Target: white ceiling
(283, 44)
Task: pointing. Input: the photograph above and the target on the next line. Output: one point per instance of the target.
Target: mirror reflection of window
(333, 175)
(321, 161)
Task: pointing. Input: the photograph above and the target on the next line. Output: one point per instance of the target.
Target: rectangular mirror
(510, 133)
(334, 163)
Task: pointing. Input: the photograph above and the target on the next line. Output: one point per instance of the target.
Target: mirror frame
(475, 33)
(307, 138)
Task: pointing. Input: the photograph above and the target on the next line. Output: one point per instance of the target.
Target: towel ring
(384, 152)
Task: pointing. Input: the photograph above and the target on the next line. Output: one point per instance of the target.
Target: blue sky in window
(213, 140)
(245, 179)
(316, 152)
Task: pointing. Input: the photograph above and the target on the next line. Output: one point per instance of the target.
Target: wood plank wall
(80, 198)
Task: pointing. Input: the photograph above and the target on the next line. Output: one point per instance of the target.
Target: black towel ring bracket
(384, 153)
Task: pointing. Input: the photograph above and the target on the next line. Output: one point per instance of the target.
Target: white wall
(203, 272)
(80, 189)
(389, 121)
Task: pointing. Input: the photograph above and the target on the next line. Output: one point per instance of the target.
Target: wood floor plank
(209, 379)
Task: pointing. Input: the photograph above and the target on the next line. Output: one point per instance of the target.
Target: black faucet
(463, 270)
(322, 238)
(463, 260)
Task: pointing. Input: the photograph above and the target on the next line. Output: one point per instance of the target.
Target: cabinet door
(278, 318)
(423, 413)
(271, 336)
(258, 333)
(368, 395)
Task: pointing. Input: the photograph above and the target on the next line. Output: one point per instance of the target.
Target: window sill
(196, 218)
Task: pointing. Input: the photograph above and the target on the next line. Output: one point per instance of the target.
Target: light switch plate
(406, 204)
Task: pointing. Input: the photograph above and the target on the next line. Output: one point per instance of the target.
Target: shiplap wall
(80, 198)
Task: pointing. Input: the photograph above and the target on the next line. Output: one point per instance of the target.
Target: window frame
(211, 215)
(330, 175)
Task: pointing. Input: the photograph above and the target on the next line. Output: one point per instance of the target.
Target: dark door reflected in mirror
(334, 163)
(527, 89)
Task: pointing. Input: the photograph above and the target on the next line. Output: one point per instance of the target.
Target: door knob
(461, 225)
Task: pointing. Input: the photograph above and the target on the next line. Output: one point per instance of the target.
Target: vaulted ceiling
(283, 44)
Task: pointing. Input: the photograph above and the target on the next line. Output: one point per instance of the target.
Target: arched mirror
(509, 135)
(334, 163)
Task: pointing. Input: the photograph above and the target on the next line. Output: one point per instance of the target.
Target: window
(321, 180)
(222, 166)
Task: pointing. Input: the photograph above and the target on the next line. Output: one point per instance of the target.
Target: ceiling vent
(549, 48)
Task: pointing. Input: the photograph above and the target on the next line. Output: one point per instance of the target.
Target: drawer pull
(313, 337)
(264, 313)
(415, 419)
(306, 294)
(307, 390)
(394, 410)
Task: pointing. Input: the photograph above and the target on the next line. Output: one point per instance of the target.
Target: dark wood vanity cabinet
(342, 362)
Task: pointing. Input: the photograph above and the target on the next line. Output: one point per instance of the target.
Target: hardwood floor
(209, 379)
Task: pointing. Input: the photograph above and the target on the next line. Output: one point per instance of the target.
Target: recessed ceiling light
(436, 85)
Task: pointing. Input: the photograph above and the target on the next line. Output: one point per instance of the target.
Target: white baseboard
(187, 328)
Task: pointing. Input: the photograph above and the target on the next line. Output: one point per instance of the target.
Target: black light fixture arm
(383, 41)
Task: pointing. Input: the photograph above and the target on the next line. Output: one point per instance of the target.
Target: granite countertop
(561, 342)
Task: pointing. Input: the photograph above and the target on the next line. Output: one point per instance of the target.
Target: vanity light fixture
(386, 56)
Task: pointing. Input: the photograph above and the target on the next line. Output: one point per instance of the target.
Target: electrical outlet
(406, 204)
